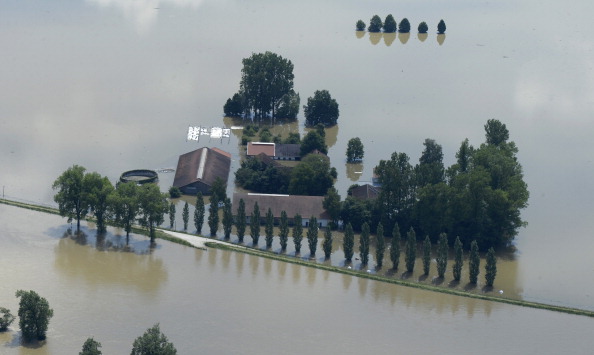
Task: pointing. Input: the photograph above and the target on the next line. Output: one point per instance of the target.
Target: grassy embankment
(338, 269)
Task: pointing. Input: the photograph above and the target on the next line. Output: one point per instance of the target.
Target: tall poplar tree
(474, 262)
(458, 260)
(297, 233)
(213, 214)
(411, 250)
(227, 218)
(171, 215)
(240, 223)
(395, 247)
(327, 245)
(380, 245)
(255, 224)
(312, 236)
(442, 255)
(199, 213)
(348, 242)
(490, 267)
(364, 244)
(283, 230)
(186, 215)
(426, 255)
(269, 228)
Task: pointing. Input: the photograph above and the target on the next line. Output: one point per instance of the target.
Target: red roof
(255, 148)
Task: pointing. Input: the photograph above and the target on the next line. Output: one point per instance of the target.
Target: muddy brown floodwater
(114, 85)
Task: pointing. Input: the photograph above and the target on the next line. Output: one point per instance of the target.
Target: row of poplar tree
(410, 245)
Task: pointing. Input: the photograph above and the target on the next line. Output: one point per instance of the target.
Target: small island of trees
(390, 25)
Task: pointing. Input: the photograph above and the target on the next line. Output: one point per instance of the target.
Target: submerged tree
(70, 196)
(364, 244)
(490, 267)
(269, 228)
(124, 205)
(375, 24)
(423, 28)
(90, 347)
(312, 236)
(426, 255)
(153, 207)
(199, 213)
(442, 255)
(348, 242)
(360, 26)
(321, 108)
(283, 230)
(34, 315)
(474, 262)
(458, 260)
(186, 215)
(395, 247)
(380, 245)
(240, 224)
(332, 205)
(411, 250)
(171, 215)
(255, 224)
(153, 342)
(297, 233)
(327, 244)
(354, 152)
(213, 214)
(6, 319)
(404, 26)
(96, 194)
(441, 27)
(227, 218)
(390, 24)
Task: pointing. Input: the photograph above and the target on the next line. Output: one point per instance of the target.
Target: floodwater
(113, 86)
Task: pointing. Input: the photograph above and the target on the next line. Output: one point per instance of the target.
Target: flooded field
(113, 86)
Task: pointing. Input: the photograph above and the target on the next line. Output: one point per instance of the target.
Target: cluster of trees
(355, 150)
(389, 25)
(266, 90)
(79, 193)
(264, 135)
(478, 198)
(34, 316)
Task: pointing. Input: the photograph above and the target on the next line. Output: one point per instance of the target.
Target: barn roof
(365, 192)
(288, 150)
(203, 164)
(255, 148)
(306, 206)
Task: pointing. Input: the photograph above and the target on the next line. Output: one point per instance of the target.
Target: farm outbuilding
(199, 169)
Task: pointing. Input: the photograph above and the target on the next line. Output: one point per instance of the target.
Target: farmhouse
(306, 206)
(274, 151)
(199, 169)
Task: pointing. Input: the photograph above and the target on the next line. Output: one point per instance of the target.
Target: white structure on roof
(194, 133)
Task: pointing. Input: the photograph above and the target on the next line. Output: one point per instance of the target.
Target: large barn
(199, 169)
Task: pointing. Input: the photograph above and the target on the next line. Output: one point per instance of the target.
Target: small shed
(199, 169)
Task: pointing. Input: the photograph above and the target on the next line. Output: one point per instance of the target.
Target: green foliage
(218, 189)
(152, 208)
(423, 28)
(327, 244)
(265, 135)
(153, 342)
(289, 106)
(404, 26)
(186, 215)
(360, 26)
(430, 169)
(375, 24)
(284, 230)
(90, 347)
(96, 192)
(255, 224)
(332, 204)
(240, 224)
(496, 133)
(171, 214)
(442, 255)
(234, 106)
(312, 141)
(348, 242)
(380, 245)
(258, 176)
(390, 24)
(355, 151)
(321, 108)
(490, 268)
(397, 196)
(364, 244)
(474, 262)
(174, 192)
(356, 212)
(411, 250)
(250, 130)
(199, 212)
(297, 233)
(227, 218)
(293, 138)
(34, 315)
(269, 228)
(266, 81)
(6, 319)
(441, 27)
(213, 214)
(312, 176)
(458, 260)
(312, 235)
(124, 205)
(426, 255)
(395, 247)
(70, 194)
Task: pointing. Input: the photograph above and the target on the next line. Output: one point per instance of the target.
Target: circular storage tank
(140, 176)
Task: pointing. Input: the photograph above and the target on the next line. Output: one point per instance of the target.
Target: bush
(423, 28)
(174, 192)
(360, 25)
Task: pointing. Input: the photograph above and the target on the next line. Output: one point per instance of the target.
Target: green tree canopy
(355, 151)
(364, 244)
(395, 247)
(269, 228)
(441, 27)
(312, 141)
(380, 245)
(6, 319)
(321, 108)
(312, 236)
(255, 224)
(125, 206)
(96, 194)
(153, 207)
(423, 28)
(390, 24)
(227, 218)
(348, 242)
(496, 133)
(442, 255)
(490, 268)
(297, 233)
(360, 26)
(241, 220)
(199, 212)
(284, 230)
(171, 214)
(327, 244)
(404, 26)
(213, 214)
(91, 347)
(312, 176)
(186, 215)
(70, 195)
(458, 260)
(34, 315)
(331, 204)
(375, 24)
(426, 255)
(411, 250)
(474, 262)
(153, 342)
(234, 106)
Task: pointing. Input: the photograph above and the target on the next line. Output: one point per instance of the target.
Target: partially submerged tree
(423, 28)
(171, 215)
(321, 108)
(395, 247)
(297, 233)
(255, 224)
(490, 268)
(375, 24)
(312, 236)
(380, 245)
(153, 342)
(213, 214)
(91, 347)
(6, 319)
(186, 215)
(442, 255)
(199, 213)
(124, 205)
(70, 196)
(426, 255)
(411, 250)
(227, 218)
(96, 194)
(348, 242)
(240, 224)
(327, 244)
(364, 244)
(474, 262)
(269, 228)
(283, 230)
(404, 26)
(458, 260)
(390, 24)
(331, 204)
(34, 315)
(360, 26)
(441, 27)
(355, 151)
(153, 207)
